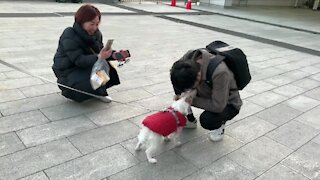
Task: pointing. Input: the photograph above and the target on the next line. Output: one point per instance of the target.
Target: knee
(204, 119)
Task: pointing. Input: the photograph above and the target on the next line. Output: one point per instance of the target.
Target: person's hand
(190, 95)
(104, 53)
(125, 53)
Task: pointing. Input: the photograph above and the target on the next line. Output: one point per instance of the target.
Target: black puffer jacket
(74, 59)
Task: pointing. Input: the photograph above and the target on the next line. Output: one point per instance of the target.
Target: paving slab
(131, 95)
(39, 90)
(297, 74)
(305, 160)
(72, 109)
(21, 121)
(161, 88)
(316, 77)
(11, 95)
(260, 155)
(116, 114)
(317, 139)
(302, 103)
(23, 82)
(163, 101)
(311, 69)
(30, 104)
(278, 114)
(289, 66)
(247, 110)
(202, 152)
(289, 90)
(311, 118)
(282, 173)
(249, 129)
(55, 130)
(307, 83)
(14, 74)
(35, 159)
(105, 136)
(259, 87)
(314, 93)
(223, 169)
(267, 99)
(169, 166)
(94, 166)
(279, 80)
(10, 143)
(293, 134)
(37, 176)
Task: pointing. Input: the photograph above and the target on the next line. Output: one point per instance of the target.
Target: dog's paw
(152, 160)
(166, 139)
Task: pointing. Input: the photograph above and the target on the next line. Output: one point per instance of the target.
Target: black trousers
(80, 79)
(211, 121)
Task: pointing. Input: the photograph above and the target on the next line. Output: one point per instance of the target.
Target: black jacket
(74, 51)
(75, 55)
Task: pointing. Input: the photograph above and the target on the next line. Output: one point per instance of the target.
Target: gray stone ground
(275, 136)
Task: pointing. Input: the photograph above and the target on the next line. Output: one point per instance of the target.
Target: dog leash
(45, 79)
(62, 85)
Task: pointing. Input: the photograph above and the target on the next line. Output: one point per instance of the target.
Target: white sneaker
(191, 125)
(217, 134)
(106, 99)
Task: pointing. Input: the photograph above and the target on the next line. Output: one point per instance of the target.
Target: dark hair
(86, 13)
(184, 74)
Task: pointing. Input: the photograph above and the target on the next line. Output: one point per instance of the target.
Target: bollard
(188, 6)
(173, 2)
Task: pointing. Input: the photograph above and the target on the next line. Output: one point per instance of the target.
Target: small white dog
(162, 124)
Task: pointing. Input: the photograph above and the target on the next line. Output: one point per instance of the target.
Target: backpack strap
(214, 62)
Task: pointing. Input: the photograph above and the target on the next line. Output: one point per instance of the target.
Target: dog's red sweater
(164, 123)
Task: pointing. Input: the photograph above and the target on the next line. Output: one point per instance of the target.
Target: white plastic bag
(99, 74)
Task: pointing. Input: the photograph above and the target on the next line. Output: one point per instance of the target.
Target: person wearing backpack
(216, 89)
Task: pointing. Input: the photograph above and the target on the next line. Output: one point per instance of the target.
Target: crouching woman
(79, 48)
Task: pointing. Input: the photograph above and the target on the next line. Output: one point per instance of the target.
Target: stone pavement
(45, 136)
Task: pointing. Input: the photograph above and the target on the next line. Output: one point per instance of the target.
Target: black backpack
(234, 58)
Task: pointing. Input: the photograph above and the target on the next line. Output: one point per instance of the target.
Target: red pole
(188, 4)
(173, 2)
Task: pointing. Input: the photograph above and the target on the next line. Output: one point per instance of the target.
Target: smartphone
(118, 55)
(109, 44)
